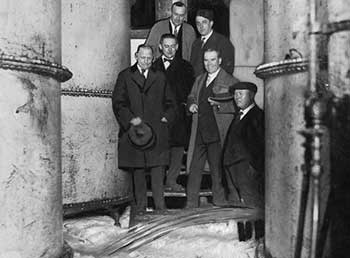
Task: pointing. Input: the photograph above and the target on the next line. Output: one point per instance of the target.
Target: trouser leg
(140, 188)
(231, 185)
(249, 182)
(195, 176)
(176, 154)
(213, 154)
(157, 178)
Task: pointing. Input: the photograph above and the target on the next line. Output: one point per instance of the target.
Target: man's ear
(136, 55)
(220, 60)
(160, 47)
(177, 46)
(211, 24)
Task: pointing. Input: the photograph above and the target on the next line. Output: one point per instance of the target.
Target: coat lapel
(137, 77)
(201, 83)
(150, 79)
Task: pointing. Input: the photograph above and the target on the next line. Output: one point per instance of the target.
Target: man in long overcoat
(142, 95)
(177, 26)
(180, 76)
(210, 39)
(209, 127)
(243, 154)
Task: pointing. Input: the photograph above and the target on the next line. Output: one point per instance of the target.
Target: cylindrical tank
(30, 135)
(286, 27)
(96, 47)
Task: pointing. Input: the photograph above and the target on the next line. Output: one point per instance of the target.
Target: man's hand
(164, 120)
(193, 108)
(135, 121)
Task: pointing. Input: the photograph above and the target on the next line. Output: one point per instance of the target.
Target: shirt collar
(205, 38)
(140, 70)
(173, 25)
(213, 75)
(246, 110)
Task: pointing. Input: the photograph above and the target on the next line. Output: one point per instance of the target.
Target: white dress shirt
(205, 38)
(246, 110)
(211, 77)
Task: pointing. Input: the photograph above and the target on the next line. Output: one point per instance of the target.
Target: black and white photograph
(175, 129)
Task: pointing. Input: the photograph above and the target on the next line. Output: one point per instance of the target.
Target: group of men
(183, 89)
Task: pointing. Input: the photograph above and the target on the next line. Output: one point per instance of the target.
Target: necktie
(143, 72)
(167, 60)
(203, 41)
(240, 113)
(176, 30)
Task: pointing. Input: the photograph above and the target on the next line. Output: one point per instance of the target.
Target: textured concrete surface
(247, 35)
(30, 163)
(285, 28)
(89, 153)
(96, 47)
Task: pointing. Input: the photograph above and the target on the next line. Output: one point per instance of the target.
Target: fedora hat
(142, 136)
(222, 97)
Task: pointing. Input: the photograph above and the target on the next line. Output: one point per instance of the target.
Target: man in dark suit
(180, 76)
(142, 95)
(210, 39)
(209, 127)
(243, 154)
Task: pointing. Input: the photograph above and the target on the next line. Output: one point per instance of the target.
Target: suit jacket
(180, 77)
(149, 99)
(216, 41)
(223, 115)
(245, 140)
(162, 27)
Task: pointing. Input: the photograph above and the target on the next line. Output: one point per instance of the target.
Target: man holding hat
(210, 39)
(243, 153)
(144, 107)
(209, 126)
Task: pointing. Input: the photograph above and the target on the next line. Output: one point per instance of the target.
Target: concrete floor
(91, 236)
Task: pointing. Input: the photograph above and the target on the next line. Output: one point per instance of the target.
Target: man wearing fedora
(209, 126)
(180, 76)
(210, 39)
(243, 154)
(144, 107)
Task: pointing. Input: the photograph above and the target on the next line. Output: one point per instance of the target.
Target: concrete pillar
(30, 135)
(247, 35)
(96, 46)
(286, 27)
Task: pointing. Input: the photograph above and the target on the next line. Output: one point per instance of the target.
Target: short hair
(206, 13)
(144, 46)
(178, 4)
(168, 36)
(213, 50)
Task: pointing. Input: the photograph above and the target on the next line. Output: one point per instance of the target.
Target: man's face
(204, 25)
(211, 61)
(169, 47)
(243, 98)
(178, 14)
(144, 57)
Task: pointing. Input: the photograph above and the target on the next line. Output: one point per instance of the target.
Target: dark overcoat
(180, 77)
(149, 99)
(218, 42)
(245, 140)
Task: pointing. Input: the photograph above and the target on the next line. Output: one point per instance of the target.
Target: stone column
(30, 132)
(286, 27)
(96, 46)
(247, 35)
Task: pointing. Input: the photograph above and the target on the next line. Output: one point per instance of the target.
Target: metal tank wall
(247, 35)
(286, 27)
(96, 46)
(30, 135)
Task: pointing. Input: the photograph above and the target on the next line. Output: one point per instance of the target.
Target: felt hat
(142, 136)
(206, 13)
(222, 97)
(244, 86)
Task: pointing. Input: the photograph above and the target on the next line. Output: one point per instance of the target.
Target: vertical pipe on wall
(30, 135)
